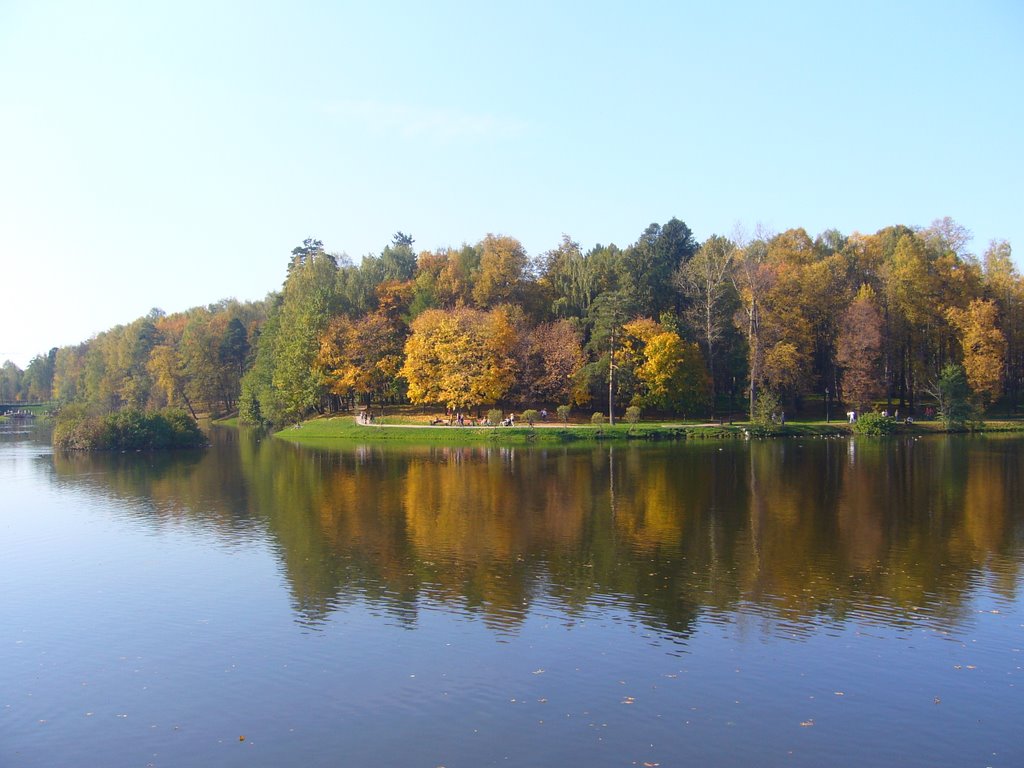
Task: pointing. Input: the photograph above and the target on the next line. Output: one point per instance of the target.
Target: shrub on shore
(875, 424)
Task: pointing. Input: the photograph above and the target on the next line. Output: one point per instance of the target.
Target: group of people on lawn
(458, 417)
(465, 420)
(452, 417)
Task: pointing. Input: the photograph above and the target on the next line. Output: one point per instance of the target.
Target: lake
(797, 602)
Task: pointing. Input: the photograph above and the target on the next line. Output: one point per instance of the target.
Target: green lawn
(417, 429)
(405, 429)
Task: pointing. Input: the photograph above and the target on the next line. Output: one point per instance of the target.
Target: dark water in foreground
(791, 603)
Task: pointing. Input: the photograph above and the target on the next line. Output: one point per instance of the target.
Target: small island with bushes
(75, 429)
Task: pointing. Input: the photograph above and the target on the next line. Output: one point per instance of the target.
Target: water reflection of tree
(805, 532)
(904, 527)
(798, 530)
(165, 486)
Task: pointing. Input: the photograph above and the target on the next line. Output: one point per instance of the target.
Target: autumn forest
(666, 324)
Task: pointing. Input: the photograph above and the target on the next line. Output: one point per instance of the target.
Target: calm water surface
(791, 603)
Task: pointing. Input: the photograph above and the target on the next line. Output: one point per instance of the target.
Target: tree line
(666, 323)
(193, 359)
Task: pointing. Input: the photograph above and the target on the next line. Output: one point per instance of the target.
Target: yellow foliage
(785, 367)
(671, 371)
(984, 347)
(361, 356)
(461, 358)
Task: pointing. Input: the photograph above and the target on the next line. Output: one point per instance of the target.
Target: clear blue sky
(172, 154)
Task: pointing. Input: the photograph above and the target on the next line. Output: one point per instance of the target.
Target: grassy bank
(399, 429)
(418, 429)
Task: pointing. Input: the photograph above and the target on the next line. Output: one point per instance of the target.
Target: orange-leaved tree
(859, 350)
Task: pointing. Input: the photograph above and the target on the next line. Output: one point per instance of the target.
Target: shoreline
(326, 430)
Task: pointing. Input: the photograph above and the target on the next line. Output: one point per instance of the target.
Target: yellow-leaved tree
(360, 357)
(670, 372)
(984, 347)
(461, 358)
(503, 265)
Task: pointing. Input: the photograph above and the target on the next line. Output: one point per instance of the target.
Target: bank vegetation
(907, 320)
